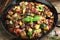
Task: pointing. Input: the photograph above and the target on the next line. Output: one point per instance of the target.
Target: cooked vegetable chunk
(37, 26)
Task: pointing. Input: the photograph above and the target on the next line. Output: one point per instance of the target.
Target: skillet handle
(58, 23)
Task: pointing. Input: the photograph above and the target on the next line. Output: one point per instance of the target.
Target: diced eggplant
(23, 26)
(28, 14)
(11, 29)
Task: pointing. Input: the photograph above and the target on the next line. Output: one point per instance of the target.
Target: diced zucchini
(37, 26)
(44, 26)
(11, 22)
(47, 28)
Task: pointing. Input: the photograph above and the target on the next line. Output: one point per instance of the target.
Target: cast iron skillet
(15, 2)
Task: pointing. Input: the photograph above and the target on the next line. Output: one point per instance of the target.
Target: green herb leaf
(36, 18)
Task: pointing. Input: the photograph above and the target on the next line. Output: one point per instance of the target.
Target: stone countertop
(57, 6)
(4, 36)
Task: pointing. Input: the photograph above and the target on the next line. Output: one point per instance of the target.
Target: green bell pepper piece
(40, 7)
(29, 33)
(43, 25)
(11, 22)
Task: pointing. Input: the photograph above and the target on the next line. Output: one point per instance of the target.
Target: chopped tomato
(11, 29)
(49, 26)
(7, 21)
